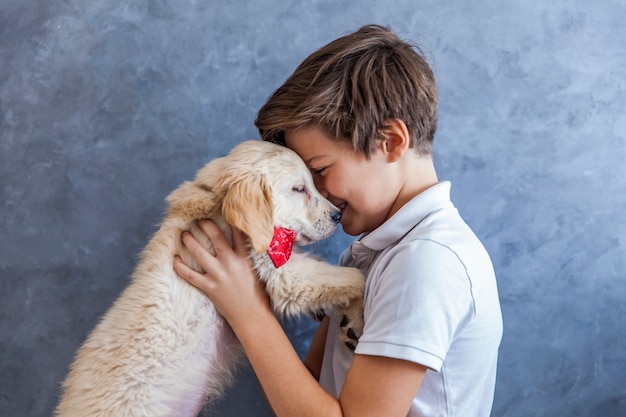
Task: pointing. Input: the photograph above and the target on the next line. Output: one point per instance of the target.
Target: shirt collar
(409, 215)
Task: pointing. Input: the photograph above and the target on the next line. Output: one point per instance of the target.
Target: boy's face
(363, 189)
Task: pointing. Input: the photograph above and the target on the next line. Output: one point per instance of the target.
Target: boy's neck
(420, 175)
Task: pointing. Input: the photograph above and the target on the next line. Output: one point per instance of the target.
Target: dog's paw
(351, 326)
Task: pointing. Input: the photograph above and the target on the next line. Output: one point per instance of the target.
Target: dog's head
(260, 186)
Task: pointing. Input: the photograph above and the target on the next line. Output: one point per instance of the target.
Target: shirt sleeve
(418, 299)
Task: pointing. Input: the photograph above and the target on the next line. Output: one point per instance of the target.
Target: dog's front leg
(306, 285)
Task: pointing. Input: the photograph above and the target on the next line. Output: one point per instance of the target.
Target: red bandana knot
(281, 245)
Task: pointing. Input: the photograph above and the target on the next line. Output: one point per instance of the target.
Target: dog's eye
(300, 189)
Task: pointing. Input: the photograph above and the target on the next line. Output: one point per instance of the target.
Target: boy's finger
(215, 234)
(193, 277)
(239, 241)
(201, 255)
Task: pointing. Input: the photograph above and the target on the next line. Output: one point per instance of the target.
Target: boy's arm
(375, 386)
(380, 386)
(313, 360)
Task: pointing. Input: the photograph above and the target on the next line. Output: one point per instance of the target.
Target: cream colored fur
(162, 349)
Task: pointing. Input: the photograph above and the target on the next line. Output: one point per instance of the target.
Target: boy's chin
(350, 229)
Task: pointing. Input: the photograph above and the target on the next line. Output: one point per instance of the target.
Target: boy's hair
(351, 86)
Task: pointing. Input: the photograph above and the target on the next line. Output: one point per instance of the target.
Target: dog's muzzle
(336, 216)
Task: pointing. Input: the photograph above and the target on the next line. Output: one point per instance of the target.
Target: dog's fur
(162, 349)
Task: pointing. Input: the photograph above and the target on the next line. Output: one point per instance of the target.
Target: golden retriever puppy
(162, 349)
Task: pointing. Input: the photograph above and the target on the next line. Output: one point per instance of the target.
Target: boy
(362, 114)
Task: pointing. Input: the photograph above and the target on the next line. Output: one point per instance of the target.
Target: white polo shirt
(430, 298)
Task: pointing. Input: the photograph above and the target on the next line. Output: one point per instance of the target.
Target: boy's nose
(336, 216)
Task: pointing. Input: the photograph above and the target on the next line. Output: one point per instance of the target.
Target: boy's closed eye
(317, 171)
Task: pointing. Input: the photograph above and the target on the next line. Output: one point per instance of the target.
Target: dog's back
(161, 350)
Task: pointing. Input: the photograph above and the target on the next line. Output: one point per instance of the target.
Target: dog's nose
(336, 216)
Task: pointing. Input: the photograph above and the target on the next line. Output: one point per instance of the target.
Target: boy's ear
(396, 139)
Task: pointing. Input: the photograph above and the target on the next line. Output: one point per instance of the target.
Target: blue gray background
(106, 106)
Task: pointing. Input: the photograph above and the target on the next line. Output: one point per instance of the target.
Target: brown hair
(351, 86)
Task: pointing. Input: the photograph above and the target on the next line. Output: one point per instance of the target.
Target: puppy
(162, 349)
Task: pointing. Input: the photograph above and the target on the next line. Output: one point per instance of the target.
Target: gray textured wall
(106, 106)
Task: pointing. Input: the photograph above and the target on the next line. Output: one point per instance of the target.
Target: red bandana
(280, 246)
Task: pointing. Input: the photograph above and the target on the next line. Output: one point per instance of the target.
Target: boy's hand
(230, 282)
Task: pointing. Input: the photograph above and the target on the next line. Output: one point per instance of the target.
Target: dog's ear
(248, 206)
(196, 199)
(191, 200)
